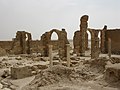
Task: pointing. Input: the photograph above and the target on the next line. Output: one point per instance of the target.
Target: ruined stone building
(114, 35)
(80, 39)
(23, 43)
(61, 42)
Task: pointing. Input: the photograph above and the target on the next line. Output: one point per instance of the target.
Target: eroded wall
(114, 35)
(6, 44)
(36, 45)
(61, 42)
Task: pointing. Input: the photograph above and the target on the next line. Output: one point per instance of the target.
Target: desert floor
(84, 73)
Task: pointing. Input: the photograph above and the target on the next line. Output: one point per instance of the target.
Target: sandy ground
(63, 81)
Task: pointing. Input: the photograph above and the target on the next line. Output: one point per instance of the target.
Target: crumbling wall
(21, 43)
(114, 35)
(77, 41)
(80, 39)
(35, 46)
(2, 52)
(94, 43)
(6, 45)
(83, 30)
(102, 45)
(55, 43)
(62, 41)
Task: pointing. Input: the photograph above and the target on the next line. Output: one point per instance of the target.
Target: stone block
(19, 72)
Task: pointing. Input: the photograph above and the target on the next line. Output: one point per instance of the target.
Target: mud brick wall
(55, 44)
(114, 35)
(6, 44)
(36, 45)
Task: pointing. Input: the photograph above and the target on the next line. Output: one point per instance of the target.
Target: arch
(91, 46)
(56, 31)
(89, 39)
(59, 44)
(26, 37)
(99, 36)
(54, 36)
(91, 33)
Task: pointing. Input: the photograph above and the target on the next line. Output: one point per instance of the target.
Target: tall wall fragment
(83, 30)
(21, 44)
(62, 41)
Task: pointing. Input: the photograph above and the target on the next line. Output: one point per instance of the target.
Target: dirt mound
(58, 74)
(97, 65)
(51, 76)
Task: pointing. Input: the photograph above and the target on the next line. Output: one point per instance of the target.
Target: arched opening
(89, 39)
(88, 52)
(26, 37)
(54, 42)
(99, 36)
(54, 36)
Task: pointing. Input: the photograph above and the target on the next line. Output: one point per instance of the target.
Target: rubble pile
(58, 74)
(97, 65)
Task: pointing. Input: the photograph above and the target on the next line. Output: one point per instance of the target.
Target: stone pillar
(97, 51)
(102, 46)
(45, 42)
(76, 42)
(23, 42)
(68, 55)
(50, 55)
(83, 29)
(109, 47)
(94, 44)
(92, 48)
(86, 41)
(29, 43)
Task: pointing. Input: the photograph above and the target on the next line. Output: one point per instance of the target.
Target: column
(68, 55)
(83, 29)
(92, 47)
(50, 55)
(109, 47)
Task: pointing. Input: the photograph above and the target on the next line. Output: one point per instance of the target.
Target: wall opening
(26, 37)
(89, 39)
(99, 36)
(55, 42)
(54, 36)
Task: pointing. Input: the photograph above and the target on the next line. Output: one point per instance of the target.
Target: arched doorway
(46, 39)
(54, 41)
(54, 36)
(89, 40)
(99, 36)
(88, 51)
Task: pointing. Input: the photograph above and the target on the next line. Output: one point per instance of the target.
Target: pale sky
(39, 16)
